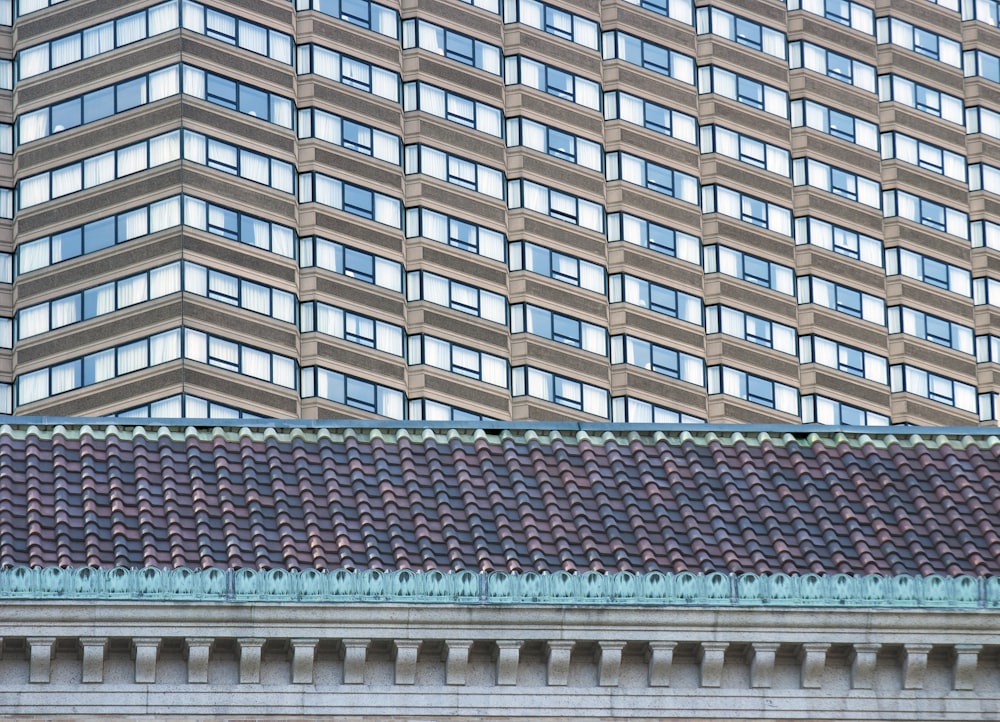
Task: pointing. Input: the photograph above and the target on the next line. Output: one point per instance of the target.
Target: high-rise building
(435, 209)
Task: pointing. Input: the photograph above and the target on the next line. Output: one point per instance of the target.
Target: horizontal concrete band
(468, 587)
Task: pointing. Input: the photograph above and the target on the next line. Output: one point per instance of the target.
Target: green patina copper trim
(496, 432)
(468, 587)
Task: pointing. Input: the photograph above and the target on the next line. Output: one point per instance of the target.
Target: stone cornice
(500, 588)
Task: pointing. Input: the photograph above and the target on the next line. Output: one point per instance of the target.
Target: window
(185, 406)
(741, 30)
(983, 65)
(659, 299)
(527, 318)
(97, 367)
(755, 329)
(985, 11)
(650, 56)
(555, 142)
(525, 256)
(364, 139)
(852, 14)
(236, 31)
(655, 177)
(353, 327)
(461, 360)
(236, 291)
(925, 155)
(239, 358)
(929, 270)
(895, 88)
(834, 65)
(552, 20)
(427, 410)
(350, 71)
(365, 14)
(834, 122)
(347, 197)
(910, 379)
(842, 299)
(813, 231)
(747, 208)
(632, 229)
(840, 356)
(712, 79)
(352, 391)
(744, 148)
(452, 45)
(539, 384)
(555, 204)
(755, 389)
(630, 410)
(492, 6)
(679, 10)
(914, 322)
(452, 231)
(658, 118)
(807, 171)
(454, 107)
(351, 262)
(821, 410)
(238, 161)
(98, 170)
(658, 359)
(454, 169)
(985, 234)
(984, 177)
(549, 79)
(983, 120)
(721, 259)
(897, 203)
(924, 42)
(430, 287)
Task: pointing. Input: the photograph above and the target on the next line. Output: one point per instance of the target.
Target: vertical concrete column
(712, 656)
(303, 660)
(406, 660)
(40, 658)
(250, 656)
(355, 656)
(609, 663)
(92, 652)
(660, 658)
(507, 657)
(966, 665)
(915, 665)
(761, 657)
(456, 660)
(145, 649)
(812, 657)
(863, 659)
(557, 668)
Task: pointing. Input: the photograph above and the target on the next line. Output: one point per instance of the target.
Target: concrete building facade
(442, 210)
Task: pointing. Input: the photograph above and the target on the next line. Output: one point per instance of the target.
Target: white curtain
(194, 82)
(329, 256)
(590, 215)
(330, 320)
(33, 386)
(130, 29)
(223, 353)
(163, 17)
(165, 280)
(33, 255)
(256, 364)
(133, 357)
(283, 306)
(434, 100)
(593, 338)
(66, 311)
(282, 176)
(388, 210)
(389, 338)
(222, 156)
(195, 345)
(132, 290)
(66, 180)
(133, 224)
(253, 37)
(102, 364)
(254, 166)
(66, 50)
(492, 307)
(164, 83)
(281, 111)
(256, 297)
(385, 146)
(282, 241)
(283, 371)
(195, 212)
(132, 159)
(329, 191)
(194, 147)
(34, 190)
(65, 377)
(164, 214)
(33, 321)
(281, 47)
(33, 61)
(433, 225)
(195, 279)
(194, 16)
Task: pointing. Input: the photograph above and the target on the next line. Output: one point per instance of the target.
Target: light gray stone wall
(427, 662)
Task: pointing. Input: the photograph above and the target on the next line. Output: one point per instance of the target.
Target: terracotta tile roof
(500, 499)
